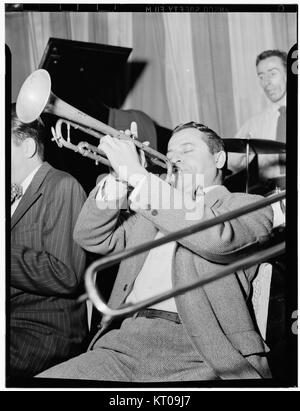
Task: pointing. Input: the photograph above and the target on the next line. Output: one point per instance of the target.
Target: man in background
(46, 325)
(270, 124)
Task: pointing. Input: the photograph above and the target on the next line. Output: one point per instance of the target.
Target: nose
(174, 158)
(266, 81)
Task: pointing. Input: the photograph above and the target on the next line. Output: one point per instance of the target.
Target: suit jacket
(215, 317)
(47, 325)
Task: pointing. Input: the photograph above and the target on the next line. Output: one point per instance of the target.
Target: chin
(275, 98)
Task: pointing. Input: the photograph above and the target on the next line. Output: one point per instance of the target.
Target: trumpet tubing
(35, 97)
(83, 148)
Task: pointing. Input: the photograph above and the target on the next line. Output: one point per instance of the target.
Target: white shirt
(155, 276)
(25, 184)
(261, 126)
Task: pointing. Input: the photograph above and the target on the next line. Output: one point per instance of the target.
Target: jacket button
(125, 287)
(154, 212)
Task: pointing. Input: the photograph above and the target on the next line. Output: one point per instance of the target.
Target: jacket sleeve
(160, 203)
(47, 261)
(103, 226)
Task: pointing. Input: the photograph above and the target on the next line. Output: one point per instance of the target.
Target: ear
(220, 159)
(29, 147)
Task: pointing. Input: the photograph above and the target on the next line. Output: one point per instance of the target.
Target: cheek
(14, 166)
(279, 82)
(203, 163)
(13, 158)
(283, 84)
(16, 160)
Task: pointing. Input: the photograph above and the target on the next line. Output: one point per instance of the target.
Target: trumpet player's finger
(143, 158)
(107, 140)
(133, 129)
(143, 155)
(105, 148)
(123, 144)
(132, 137)
(111, 146)
(126, 133)
(113, 154)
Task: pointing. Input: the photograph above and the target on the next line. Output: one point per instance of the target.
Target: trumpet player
(205, 334)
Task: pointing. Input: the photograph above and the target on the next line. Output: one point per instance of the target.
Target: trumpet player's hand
(124, 159)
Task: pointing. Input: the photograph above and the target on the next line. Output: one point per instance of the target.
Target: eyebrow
(271, 69)
(182, 145)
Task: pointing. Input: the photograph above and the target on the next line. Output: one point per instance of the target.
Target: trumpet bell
(33, 96)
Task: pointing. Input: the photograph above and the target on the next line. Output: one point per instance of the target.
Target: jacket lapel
(31, 195)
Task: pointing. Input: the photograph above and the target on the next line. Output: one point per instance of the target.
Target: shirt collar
(205, 190)
(25, 184)
(275, 106)
(209, 188)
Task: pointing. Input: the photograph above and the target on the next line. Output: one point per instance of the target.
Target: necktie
(15, 192)
(281, 135)
(281, 125)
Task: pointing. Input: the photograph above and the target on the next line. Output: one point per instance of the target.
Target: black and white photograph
(151, 234)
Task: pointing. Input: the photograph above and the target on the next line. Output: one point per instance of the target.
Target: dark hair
(20, 131)
(212, 139)
(214, 142)
(271, 53)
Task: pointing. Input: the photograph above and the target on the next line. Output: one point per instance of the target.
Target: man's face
(18, 159)
(189, 151)
(272, 76)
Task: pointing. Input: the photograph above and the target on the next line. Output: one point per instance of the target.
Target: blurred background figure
(269, 124)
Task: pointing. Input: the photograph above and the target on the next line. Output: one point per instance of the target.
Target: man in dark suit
(201, 335)
(46, 325)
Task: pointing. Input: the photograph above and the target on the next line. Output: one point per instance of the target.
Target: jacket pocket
(26, 234)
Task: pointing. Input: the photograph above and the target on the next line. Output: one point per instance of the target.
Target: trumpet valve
(83, 148)
(56, 138)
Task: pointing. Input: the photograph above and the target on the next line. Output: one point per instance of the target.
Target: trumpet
(35, 97)
(260, 255)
